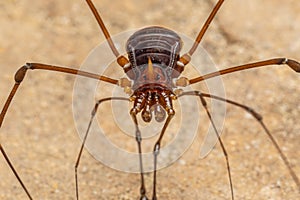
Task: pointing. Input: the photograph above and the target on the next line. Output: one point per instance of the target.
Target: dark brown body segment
(159, 44)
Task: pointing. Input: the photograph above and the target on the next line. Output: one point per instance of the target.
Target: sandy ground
(39, 132)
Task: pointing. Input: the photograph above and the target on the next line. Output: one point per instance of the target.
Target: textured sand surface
(39, 133)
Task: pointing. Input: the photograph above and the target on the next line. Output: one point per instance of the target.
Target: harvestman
(154, 66)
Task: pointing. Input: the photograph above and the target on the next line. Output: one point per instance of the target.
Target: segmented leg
(156, 150)
(204, 104)
(259, 119)
(275, 61)
(86, 135)
(138, 139)
(19, 77)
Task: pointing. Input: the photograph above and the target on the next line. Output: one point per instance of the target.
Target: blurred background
(39, 134)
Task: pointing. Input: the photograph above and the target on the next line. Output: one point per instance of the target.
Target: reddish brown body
(153, 53)
(153, 66)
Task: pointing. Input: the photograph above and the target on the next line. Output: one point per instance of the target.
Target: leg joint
(28, 65)
(156, 148)
(20, 74)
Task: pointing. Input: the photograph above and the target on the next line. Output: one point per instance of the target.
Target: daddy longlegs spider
(152, 89)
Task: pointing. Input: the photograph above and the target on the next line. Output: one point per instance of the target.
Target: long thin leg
(205, 26)
(14, 171)
(157, 149)
(19, 76)
(276, 61)
(138, 138)
(187, 57)
(259, 118)
(199, 94)
(122, 60)
(103, 28)
(86, 135)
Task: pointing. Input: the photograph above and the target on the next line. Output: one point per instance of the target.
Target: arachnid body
(152, 93)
